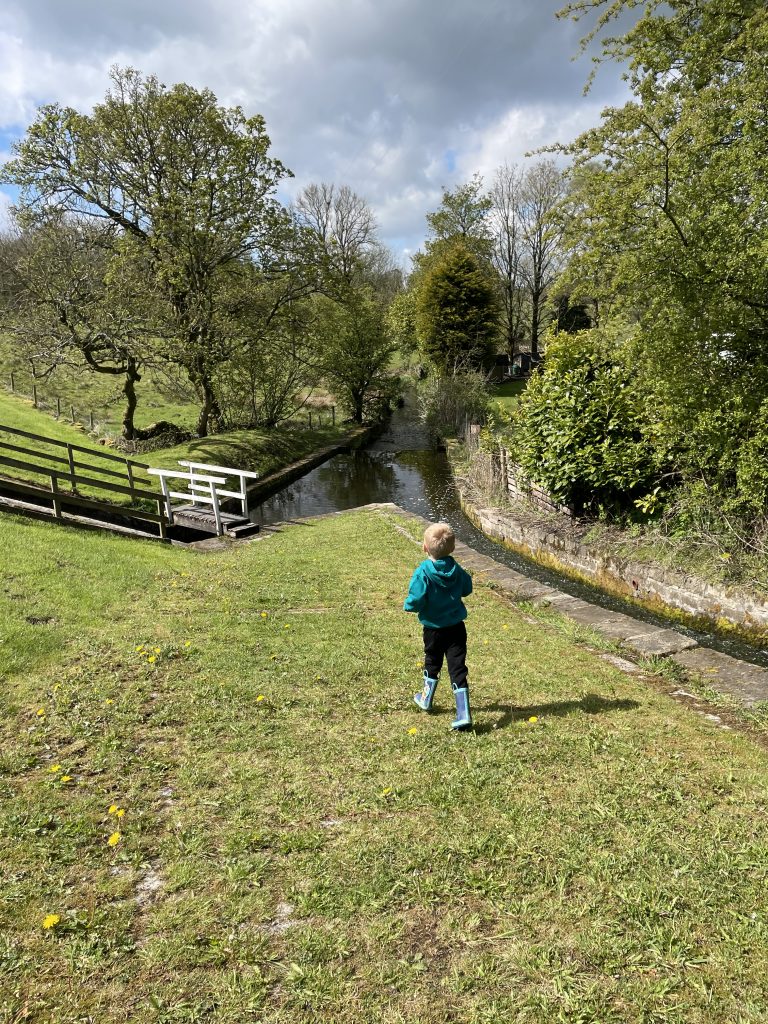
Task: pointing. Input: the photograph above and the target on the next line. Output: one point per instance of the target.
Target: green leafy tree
(66, 307)
(190, 185)
(355, 348)
(670, 224)
(464, 214)
(456, 310)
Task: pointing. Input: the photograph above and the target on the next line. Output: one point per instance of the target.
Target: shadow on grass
(589, 704)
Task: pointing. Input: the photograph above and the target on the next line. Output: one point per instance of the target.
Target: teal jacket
(436, 590)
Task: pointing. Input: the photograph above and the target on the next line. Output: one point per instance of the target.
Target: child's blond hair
(439, 540)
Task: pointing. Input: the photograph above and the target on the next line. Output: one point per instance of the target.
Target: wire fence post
(58, 407)
(34, 395)
(72, 408)
(13, 382)
(91, 416)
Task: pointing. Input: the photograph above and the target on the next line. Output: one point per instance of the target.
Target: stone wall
(693, 600)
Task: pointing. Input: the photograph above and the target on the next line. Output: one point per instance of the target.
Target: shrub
(448, 404)
(580, 430)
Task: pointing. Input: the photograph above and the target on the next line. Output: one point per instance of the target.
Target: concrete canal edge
(740, 680)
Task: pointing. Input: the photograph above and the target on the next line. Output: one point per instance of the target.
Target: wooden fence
(67, 467)
(495, 472)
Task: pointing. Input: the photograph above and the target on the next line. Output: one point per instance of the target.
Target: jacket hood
(442, 571)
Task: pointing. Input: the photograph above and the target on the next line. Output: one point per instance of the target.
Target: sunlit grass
(299, 842)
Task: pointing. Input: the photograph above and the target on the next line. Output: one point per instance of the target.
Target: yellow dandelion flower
(120, 813)
(412, 731)
(51, 920)
(112, 809)
(114, 839)
(260, 697)
(66, 778)
(157, 650)
(55, 768)
(151, 659)
(263, 615)
(286, 626)
(533, 719)
(505, 626)
(139, 649)
(41, 712)
(109, 701)
(187, 643)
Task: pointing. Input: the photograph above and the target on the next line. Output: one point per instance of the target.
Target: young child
(435, 592)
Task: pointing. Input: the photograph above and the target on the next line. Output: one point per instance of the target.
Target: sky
(398, 99)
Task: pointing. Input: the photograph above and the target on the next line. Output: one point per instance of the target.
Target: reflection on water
(421, 482)
(418, 481)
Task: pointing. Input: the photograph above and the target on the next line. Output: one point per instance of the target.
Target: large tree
(508, 255)
(542, 189)
(355, 280)
(64, 307)
(672, 225)
(456, 312)
(190, 185)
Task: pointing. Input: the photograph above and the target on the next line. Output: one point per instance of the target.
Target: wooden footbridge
(45, 477)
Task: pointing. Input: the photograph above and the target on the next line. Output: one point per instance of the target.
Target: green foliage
(580, 426)
(401, 321)
(463, 213)
(456, 314)
(188, 183)
(668, 232)
(449, 402)
(752, 467)
(355, 348)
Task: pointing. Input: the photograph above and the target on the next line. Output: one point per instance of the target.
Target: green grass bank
(216, 793)
(261, 451)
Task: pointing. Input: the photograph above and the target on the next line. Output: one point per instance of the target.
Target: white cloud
(396, 100)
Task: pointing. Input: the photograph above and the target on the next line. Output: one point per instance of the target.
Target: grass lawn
(217, 794)
(507, 394)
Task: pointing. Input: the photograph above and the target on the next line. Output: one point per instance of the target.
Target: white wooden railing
(204, 489)
(241, 474)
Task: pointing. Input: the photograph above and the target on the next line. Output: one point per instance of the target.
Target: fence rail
(497, 473)
(49, 466)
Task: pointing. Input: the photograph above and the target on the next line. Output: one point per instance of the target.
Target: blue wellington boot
(424, 699)
(463, 717)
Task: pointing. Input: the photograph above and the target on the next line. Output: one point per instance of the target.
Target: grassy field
(99, 393)
(218, 803)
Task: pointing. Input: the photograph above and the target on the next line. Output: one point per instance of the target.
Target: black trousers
(450, 643)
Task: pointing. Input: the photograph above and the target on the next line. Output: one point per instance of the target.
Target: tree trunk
(210, 413)
(131, 401)
(357, 415)
(535, 325)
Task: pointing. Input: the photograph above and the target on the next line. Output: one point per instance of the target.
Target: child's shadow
(589, 704)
